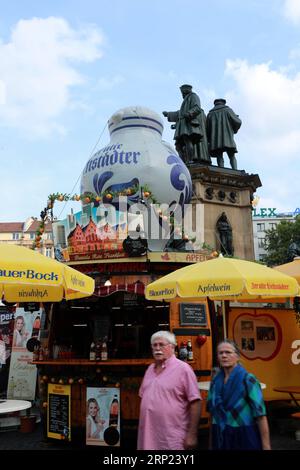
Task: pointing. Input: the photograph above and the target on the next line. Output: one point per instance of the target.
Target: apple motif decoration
(201, 339)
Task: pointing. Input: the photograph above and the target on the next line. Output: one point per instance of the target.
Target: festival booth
(128, 234)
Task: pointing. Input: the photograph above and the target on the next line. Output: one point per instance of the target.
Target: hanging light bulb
(107, 282)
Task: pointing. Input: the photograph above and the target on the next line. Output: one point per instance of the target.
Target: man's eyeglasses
(159, 345)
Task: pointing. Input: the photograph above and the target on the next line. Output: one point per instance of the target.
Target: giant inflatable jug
(135, 158)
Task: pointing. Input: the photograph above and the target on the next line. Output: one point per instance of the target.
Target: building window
(49, 236)
(272, 225)
(49, 252)
(261, 227)
(32, 236)
(261, 243)
(16, 236)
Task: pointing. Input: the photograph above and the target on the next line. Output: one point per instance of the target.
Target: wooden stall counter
(109, 362)
(87, 362)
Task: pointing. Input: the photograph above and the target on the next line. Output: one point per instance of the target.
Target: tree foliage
(278, 241)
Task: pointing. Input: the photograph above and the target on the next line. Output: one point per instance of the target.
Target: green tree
(279, 239)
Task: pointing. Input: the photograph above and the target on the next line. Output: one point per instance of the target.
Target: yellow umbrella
(28, 276)
(223, 279)
(292, 268)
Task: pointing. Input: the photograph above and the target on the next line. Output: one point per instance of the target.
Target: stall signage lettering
(28, 274)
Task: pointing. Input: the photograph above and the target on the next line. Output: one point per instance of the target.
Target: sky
(67, 65)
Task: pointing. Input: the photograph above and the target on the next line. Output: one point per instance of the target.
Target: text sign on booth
(193, 315)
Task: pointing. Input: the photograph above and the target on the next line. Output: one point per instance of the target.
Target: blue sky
(67, 65)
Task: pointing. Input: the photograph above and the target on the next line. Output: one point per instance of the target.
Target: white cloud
(38, 68)
(270, 101)
(291, 10)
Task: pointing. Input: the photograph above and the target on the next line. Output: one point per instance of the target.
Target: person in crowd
(170, 400)
(20, 335)
(94, 424)
(236, 404)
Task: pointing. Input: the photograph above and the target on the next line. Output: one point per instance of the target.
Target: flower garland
(106, 197)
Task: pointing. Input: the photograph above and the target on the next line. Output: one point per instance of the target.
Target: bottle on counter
(46, 353)
(104, 354)
(98, 350)
(41, 354)
(190, 355)
(114, 411)
(183, 352)
(92, 352)
(55, 351)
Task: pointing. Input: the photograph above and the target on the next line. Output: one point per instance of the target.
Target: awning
(132, 284)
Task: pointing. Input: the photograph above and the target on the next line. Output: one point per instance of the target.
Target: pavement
(282, 438)
(282, 428)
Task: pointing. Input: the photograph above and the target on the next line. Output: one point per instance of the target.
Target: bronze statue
(293, 250)
(225, 235)
(190, 133)
(221, 124)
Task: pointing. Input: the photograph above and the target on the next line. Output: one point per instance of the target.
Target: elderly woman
(236, 404)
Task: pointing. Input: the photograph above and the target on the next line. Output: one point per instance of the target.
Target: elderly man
(170, 406)
(190, 126)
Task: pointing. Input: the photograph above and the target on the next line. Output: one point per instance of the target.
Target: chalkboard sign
(59, 419)
(193, 315)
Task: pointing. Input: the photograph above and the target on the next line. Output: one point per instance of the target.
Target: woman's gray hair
(232, 343)
(167, 335)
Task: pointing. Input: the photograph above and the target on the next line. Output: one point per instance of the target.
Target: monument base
(225, 190)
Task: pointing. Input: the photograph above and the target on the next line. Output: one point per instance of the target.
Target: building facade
(23, 234)
(266, 219)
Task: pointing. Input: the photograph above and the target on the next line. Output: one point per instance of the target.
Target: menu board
(193, 315)
(59, 412)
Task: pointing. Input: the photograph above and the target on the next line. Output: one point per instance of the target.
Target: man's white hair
(167, 335)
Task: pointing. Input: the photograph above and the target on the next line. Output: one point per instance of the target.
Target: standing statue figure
(293, 250)
(190, 128)
(225, 235)
(221, 124)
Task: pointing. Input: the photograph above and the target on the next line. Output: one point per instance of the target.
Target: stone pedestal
(230, 191)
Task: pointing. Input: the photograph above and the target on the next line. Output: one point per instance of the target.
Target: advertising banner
(103, 416)
(22, 374)
(90, 235)
(7, 315)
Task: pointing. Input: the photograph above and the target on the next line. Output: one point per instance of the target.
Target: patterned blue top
(234, 407)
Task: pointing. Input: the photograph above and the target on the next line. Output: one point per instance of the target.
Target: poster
(6, 334)
(22, 374)
(59, 412)
(103, 416)
(269, 340)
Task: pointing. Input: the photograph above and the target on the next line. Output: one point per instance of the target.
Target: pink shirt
(164, 412)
